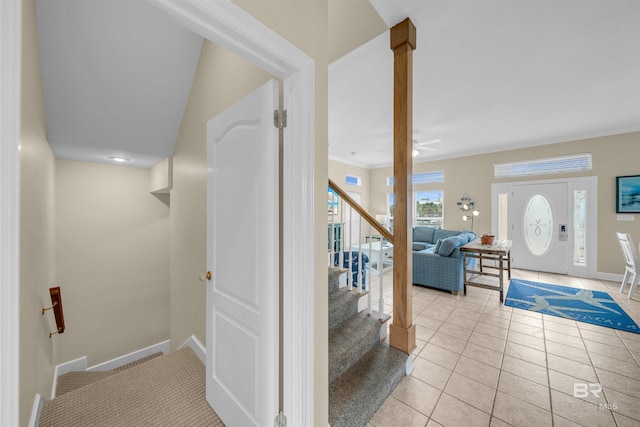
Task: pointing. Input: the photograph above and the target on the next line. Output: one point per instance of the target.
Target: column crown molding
(403, 33)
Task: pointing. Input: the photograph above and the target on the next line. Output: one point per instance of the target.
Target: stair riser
(334, 280)
(361, 342)
(342, 306)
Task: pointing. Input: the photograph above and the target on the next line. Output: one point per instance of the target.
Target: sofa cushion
(418, 246)
(443, 234)
(450, 244)
(422, 233)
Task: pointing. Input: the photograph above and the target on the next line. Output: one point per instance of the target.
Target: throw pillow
(437, 248)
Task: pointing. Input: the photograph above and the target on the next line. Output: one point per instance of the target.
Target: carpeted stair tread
(138, 362)
(342, 305)
(356, 396)
(78, 379)
(350, 341)
(334, 279)
(74, 380)
(165, 391)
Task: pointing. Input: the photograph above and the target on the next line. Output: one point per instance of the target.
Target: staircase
(362, 370)
(158, 390)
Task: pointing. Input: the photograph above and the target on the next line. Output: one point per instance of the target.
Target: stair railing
(339, 244)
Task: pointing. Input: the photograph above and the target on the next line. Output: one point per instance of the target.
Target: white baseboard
(161, 347)
(197, 348)
(612, 277)
(79, 364)
(35, 411)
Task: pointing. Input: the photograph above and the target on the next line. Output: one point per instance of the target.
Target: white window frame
(357, 179)
(415, 205)
(416, 178)
(550, 165)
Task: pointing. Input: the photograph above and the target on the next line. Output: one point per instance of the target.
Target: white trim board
(224, 23)
(79, 364)
(10, 85)
(611, 277)
(194, 344)
(38, 402)
(161, 347)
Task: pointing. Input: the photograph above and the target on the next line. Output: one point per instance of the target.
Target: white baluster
(341, 245)
(381, 275)
(333, 229)
(350, 257)
(360, 265)
(370, 295)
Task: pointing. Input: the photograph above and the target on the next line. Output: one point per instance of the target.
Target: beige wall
(112, 258)
(37, 237)
(612, 156)
(352, 23)
(221, 79)
(338, 171)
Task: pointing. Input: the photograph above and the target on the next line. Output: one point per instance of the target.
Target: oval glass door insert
(537, 225)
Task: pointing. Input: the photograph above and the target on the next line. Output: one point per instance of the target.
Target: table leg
(501, 275)
(464, 273)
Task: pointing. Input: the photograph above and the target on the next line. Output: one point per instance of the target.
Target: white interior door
(243, 256)
(539, 227)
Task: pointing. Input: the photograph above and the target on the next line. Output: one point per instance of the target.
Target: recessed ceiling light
(119, 159)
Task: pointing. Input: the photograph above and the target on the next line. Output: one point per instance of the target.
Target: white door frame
(589, 183)
(10, 86)
(229, 26)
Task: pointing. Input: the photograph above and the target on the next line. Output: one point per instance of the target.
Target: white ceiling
(116, 75)
(488, 75)
(491, 75)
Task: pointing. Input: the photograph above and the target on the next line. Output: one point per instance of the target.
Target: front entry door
(243, 257)
(539, 227)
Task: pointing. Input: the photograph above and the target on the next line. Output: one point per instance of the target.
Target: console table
(491, 265)
(380, 254)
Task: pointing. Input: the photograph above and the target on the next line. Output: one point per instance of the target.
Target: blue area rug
(583, 305)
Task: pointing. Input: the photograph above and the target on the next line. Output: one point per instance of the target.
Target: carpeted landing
(164, 391)
(362, 371)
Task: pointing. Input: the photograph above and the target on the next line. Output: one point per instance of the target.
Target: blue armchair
(354, 266)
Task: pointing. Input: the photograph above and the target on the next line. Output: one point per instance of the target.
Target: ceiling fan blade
(425, 143)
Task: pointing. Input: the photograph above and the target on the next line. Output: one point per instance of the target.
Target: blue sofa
(437, 260)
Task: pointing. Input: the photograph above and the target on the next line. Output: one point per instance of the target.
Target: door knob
(208, 276)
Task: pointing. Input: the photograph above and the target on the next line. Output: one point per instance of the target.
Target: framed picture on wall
(628, 194)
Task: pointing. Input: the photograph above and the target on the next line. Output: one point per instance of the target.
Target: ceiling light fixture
(119, 159)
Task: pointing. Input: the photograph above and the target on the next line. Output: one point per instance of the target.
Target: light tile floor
(479, 363)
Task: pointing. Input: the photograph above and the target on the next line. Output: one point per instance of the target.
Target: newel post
(403, 42)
